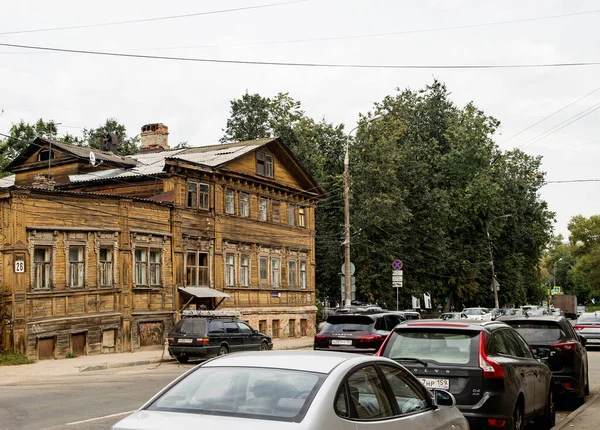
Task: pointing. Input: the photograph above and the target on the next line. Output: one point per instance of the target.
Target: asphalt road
(97, 400)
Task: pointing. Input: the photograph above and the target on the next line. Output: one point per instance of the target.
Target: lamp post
(494, 281)
(347, 276)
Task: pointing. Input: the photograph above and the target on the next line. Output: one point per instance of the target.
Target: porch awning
(203, 292)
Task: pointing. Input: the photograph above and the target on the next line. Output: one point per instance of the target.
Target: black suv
(562, 349)
(486, 365)
(206, 334)
(361, 332)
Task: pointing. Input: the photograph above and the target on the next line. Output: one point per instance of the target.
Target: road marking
(99, 418)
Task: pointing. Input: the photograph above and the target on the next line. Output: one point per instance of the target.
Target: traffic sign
(397, 265)
(352, 269)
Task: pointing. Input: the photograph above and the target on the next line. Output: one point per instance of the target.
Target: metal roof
(84, 152)
(153, 163)
(8, 181)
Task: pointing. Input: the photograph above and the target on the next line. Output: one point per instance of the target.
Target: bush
(70, 355)
(13, 358)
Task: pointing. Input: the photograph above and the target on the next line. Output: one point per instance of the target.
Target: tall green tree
(98, 137)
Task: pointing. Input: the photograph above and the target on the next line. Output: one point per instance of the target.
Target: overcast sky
(192, 98)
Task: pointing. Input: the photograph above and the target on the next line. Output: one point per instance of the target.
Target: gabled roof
(81, 152)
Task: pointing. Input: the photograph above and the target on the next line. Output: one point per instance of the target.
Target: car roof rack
(212, 314)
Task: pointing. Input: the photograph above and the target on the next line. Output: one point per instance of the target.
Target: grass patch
(13, 358)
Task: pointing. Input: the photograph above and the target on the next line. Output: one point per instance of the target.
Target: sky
(192, 98)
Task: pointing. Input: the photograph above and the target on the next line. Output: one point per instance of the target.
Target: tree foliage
(97, 138)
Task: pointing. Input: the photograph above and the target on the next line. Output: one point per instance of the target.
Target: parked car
(480, 314)
(556, 312)
(554, 338)
(588, 326)
(580, 310)
(486, 365)
(362, 332)
(297, 390)
(453, 316)
(409, 314)
(206, 334)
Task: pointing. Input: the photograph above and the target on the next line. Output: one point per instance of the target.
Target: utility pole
(495, 283)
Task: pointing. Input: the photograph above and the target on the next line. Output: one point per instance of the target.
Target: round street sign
(352, 269)
(397, 265)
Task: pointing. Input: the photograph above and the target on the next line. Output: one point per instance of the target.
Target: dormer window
(45, 155)
(264, 164)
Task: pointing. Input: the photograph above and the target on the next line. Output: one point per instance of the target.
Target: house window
(262, 326)
(145, 271)
(196, 268)
(292, 274)
(105, 269)
(260, 163)
(244, 204)
(269, 165)
(76, 266)
(192, 195)
(275, 272)
(262, 209)
(292, 328)
(275, 328)
(244, 271)
(45, 155)
(275, 212)
(303, 327)
(229, 202)
(303, 274)
(197, 195)
(154, 267)
(262, 263)
(42, 264)
(229, 270)
(302, 217)
(291, 210)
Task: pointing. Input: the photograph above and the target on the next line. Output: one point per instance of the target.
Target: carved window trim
(42, 240)
(149, 243)
(107, 240)
(198, 246)
(80, 240)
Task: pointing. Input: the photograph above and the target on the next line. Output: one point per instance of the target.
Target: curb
(307, 345)
(576, 412)
(127, 364)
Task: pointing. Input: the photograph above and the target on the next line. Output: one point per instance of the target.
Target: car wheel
(183, 360)
(549, 419)
(264, 346)
(223, 350)
(518, 422)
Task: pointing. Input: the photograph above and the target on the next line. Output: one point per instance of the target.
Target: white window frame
(292, 275)
(266, 269)
(229, 270)
(42, 271)
(262, 208)
(147, 272)
(291, 215)
(230, 201)
(269, 165)
(244, 204)
(303, 278)
(76, 274)
(105, 266)
(275, 272)
(301, 216)
(244, 270)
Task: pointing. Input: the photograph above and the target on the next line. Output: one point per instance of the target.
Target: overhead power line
(294, 64)
(394, 33)
(551, 115)
(160, 18)
(571, 181)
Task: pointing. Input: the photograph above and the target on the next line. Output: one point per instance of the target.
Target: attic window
(45, 155)
(264, 164)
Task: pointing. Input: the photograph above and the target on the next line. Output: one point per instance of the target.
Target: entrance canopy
(203, 292)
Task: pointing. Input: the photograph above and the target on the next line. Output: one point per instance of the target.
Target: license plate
(185, 340)
(341, 342)
(433, 383)
(593, 341)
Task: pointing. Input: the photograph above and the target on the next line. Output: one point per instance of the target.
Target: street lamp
(494, 281)
(347, 275)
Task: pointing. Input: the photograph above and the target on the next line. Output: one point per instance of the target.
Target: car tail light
(490, 368)
(578, 327)
(494, 422)
(568, 385)
(366, 338)
(566, 346)
(202, 341)
(170, 340)
(319, 337)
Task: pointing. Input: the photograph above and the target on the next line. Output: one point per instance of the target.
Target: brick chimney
(155, 137)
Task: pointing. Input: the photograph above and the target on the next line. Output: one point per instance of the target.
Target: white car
(300, 390)
(479, 314)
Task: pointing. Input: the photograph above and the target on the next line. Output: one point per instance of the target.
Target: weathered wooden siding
(247, 165)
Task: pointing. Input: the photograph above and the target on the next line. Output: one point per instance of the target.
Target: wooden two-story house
(101, 252)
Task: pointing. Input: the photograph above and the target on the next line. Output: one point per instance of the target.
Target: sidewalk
(74, 366)
(584, 418)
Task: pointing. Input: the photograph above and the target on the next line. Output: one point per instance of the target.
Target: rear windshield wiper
(416, 360)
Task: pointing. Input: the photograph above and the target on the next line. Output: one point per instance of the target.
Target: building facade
(100, 253)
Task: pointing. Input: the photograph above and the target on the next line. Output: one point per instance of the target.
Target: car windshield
(348, 323)
(190, 325)
(278, 394)
(474, 311)
(449, 347)
(535, 332)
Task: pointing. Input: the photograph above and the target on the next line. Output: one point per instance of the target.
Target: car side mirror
(254, 331)
(541, 353)
(443, 399)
